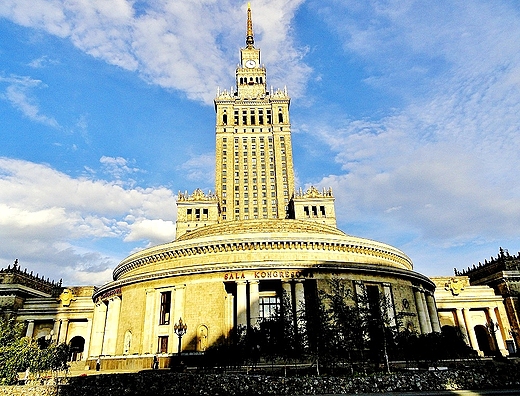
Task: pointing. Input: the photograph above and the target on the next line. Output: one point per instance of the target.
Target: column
(287, 294)
(30, 328)
(360, 294)
(241, 304)
(389, 304)
(228, 314)
(178, 313)
(56, 330)
(432, 310)
(178, 310)
(98, 329)
(463, 327)
(63, 331)
(254, 303)
(426, 313)
(420, 311)
(498, 333)
(299, 294)
(110, 341)
(88, 337)
(149, 323)
(470, 329)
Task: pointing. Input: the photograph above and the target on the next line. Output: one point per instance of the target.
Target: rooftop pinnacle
(250, 41)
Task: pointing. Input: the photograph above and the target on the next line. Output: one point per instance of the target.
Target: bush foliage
(18, 353)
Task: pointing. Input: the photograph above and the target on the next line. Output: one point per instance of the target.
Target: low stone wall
(164, 382)
(29, 390)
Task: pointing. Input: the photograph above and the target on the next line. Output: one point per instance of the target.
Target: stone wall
(165, 382)
(29, 390)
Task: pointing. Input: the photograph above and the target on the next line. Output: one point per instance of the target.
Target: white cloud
(18, 93)
(156, 231)
(186, 45)
(42, 62)
(441, 170)
(51, 220)
(200, 168)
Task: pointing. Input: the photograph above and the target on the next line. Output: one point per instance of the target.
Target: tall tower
(254, 167)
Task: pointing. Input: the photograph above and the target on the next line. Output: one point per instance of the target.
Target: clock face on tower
(250, 63)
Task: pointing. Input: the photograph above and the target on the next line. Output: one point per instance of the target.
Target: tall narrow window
(280, 118)
(166, 303)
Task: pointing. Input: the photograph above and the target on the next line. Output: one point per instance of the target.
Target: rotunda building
(233, 274)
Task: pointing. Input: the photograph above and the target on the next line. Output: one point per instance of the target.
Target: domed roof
(260, 243)
(261, 226)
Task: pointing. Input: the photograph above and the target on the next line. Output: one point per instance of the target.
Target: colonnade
(105, 326)
(426, 311)
(60, 331)
(467, 327)
(248, 300)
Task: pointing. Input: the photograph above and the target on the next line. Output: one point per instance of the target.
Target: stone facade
(49, 310)
(477, 312)
(502, 274)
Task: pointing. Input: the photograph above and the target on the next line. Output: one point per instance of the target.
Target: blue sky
(409, 110)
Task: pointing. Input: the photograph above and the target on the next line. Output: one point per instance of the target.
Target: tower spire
(250, 41)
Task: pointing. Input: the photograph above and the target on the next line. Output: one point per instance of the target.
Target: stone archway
(77, 346)
(484, 340)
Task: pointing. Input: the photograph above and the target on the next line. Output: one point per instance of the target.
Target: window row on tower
(252, 117)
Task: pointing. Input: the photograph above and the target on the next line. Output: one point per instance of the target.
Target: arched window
(280, 118)
(224, 119)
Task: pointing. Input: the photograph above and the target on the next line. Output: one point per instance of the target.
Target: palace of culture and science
(236, 252)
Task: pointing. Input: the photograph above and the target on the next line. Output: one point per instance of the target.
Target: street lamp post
(180, 329)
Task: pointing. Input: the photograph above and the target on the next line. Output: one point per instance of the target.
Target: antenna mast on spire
(250, 41)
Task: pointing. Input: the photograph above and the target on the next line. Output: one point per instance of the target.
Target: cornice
(115, 287)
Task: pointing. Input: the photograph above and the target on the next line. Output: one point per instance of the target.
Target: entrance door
(485, 343)
(76, 345)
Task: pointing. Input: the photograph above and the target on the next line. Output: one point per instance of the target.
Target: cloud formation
(185, 45)
(442, 167)
(19, 94)
(47, 215)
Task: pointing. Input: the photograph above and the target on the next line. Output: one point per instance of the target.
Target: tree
(18, 353)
